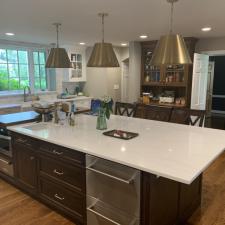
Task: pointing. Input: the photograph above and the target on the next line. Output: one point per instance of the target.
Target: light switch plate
(116, 86)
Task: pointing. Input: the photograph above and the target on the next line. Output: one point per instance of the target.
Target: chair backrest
(196, 117)
(180, 116)
(125, 109)
(188, 116)
(160, 113)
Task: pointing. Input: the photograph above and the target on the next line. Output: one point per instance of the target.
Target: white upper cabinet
(78, 60)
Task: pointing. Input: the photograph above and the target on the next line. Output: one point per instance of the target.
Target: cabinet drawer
(62, 153)
(24, 141)
(72, 175)
(122, 182)
(63, 199)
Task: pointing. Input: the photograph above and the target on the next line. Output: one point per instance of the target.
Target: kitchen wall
(210, 44)
(105, 81)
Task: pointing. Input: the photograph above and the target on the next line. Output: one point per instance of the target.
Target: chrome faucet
(26, 95)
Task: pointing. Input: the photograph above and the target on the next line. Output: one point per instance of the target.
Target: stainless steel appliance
(6, 165)
(113, 193)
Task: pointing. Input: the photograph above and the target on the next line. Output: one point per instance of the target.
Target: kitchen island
(167, 158)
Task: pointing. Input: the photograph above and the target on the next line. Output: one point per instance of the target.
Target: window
(40, 81)
(20, 68)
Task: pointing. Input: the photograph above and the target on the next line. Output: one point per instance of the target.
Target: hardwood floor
(16, 208)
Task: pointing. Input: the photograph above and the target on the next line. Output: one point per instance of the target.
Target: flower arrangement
(104, 111)
(106, 103)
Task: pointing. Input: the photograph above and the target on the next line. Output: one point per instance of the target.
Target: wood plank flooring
(16, 208)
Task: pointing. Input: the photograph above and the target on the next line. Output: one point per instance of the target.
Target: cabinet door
(26, 168)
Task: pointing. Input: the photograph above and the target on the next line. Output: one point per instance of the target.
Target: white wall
(134, 71)
(101, 81)
(210, 44)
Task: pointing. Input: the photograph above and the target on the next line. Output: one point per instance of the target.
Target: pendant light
(103, 54)
(58, 57)
(171, 49)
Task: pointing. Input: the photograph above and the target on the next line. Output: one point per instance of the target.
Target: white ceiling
(31, 20)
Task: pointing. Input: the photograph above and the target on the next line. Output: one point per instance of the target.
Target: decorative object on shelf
(171, 49)
(103, 54)
(104, 112)
(58, 57)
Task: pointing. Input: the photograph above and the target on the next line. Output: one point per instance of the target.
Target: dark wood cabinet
(157, 79)
(25, 163)
(53, 174)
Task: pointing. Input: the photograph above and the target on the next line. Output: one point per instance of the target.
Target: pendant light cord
(171, 18)
(57, 33)
(103, 28)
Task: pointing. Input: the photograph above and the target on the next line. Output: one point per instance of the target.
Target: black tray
(129, 136)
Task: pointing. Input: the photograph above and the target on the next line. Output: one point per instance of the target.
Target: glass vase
(101, 120)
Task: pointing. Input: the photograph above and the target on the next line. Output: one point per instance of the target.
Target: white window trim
(30, 48)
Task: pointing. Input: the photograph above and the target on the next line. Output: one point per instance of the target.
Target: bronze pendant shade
(171, 49)
(58, 57)
(103, 54)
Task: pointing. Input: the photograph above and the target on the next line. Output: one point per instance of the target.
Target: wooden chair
(196, 117)
(180, 116)
(188, 116)
(125, 109)
(159, 113)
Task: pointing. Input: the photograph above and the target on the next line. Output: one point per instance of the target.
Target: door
(199, 81)
(25, 168)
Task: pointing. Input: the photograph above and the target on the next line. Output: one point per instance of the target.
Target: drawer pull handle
(6, 162)
(57, 153)
(58, 197)
(21, 140)
(57, 172)
(104, 217)
(129, 181)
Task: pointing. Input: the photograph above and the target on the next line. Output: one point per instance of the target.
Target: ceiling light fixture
(103, 54)
(206, 29)
(171, 49)
(123, 44)
(143, 36)
(58, 57)
(9, 34)
(82, 43)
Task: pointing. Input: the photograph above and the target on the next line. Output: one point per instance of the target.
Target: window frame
(30, 51)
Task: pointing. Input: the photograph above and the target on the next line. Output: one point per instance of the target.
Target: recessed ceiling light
(123, 44)
(82, 43)
(206, 29)
(9, 34)
(143, 36)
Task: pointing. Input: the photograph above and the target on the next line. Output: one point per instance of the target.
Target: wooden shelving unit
(157, 79)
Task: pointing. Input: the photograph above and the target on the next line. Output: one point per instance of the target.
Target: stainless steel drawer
(6, 167)
(99, 213)
(114, 184)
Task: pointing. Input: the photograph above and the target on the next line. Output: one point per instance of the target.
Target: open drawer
(100, 213)
(115, 184)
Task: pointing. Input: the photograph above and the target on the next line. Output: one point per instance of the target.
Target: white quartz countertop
(173, 151)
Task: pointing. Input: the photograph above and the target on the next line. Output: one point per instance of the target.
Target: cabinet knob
(32, 158)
